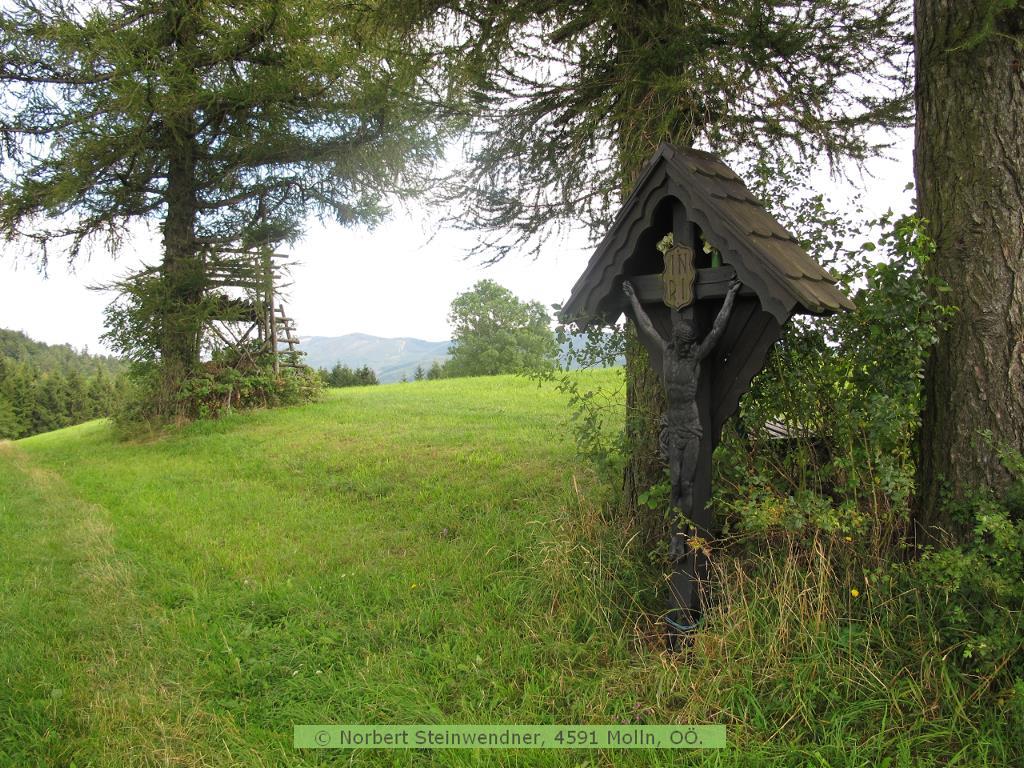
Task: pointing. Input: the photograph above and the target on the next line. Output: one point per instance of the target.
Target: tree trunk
(183, 269)
(645, 403)
(969, 165)
(641, 129)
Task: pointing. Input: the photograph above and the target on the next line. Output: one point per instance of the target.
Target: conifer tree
(10, 425)
(969, 164)
(227, 123)
(436, 371)
(573, 98)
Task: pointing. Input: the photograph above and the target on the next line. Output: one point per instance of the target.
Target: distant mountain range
(390, 358)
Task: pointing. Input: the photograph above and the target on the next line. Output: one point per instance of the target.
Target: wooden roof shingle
(766, 257)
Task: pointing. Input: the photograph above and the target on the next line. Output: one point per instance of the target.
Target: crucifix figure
(682, 355)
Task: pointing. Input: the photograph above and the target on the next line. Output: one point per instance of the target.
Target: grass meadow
(420, 553)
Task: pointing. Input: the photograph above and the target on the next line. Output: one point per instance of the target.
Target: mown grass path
(378, 557)
(428, 552)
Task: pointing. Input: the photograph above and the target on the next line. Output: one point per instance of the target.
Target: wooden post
(269, 265)
(685, 582)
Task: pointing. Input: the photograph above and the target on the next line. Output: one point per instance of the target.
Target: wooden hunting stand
(248, 315)
(720, 233)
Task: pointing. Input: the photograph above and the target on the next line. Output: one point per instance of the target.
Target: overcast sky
(393, 281)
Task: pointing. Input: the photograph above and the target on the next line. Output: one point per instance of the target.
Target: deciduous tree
(494, 332)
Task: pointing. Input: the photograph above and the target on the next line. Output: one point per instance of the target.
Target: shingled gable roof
(765, 256)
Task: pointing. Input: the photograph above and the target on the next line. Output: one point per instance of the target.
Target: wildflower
(855, 592)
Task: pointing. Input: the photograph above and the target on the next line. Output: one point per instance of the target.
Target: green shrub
(973, 592)
(596, 414)
(232, 380)
(845, 392)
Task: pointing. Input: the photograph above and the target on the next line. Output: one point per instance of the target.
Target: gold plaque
(678, 277)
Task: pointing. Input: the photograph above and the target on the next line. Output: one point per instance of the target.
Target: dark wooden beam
(710, 284)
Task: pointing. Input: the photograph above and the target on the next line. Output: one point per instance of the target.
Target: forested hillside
(45, 387)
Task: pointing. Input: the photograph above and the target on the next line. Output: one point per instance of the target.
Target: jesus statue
(682, 355)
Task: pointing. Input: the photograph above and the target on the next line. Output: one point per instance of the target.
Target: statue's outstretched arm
(640, 317)
(718, 327)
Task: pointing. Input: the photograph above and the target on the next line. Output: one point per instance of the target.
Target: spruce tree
(76, 407)
(10, 425)
(101, 395)
(436, 371)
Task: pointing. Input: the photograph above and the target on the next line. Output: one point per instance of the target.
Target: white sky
(393, 281)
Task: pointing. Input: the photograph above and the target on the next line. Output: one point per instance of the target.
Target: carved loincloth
(677, 433)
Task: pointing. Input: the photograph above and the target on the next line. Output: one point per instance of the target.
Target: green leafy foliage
(972, 586)
(825, 435)
(596, 414)
(494, 332)
(223, 388)
(234, 379)
(973, 593)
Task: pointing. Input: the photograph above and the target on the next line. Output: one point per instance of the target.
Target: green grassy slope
(418, 553)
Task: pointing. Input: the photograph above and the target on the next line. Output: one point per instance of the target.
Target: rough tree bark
(639, 136)
(182, 271)
(645, 403)
(969, 165)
